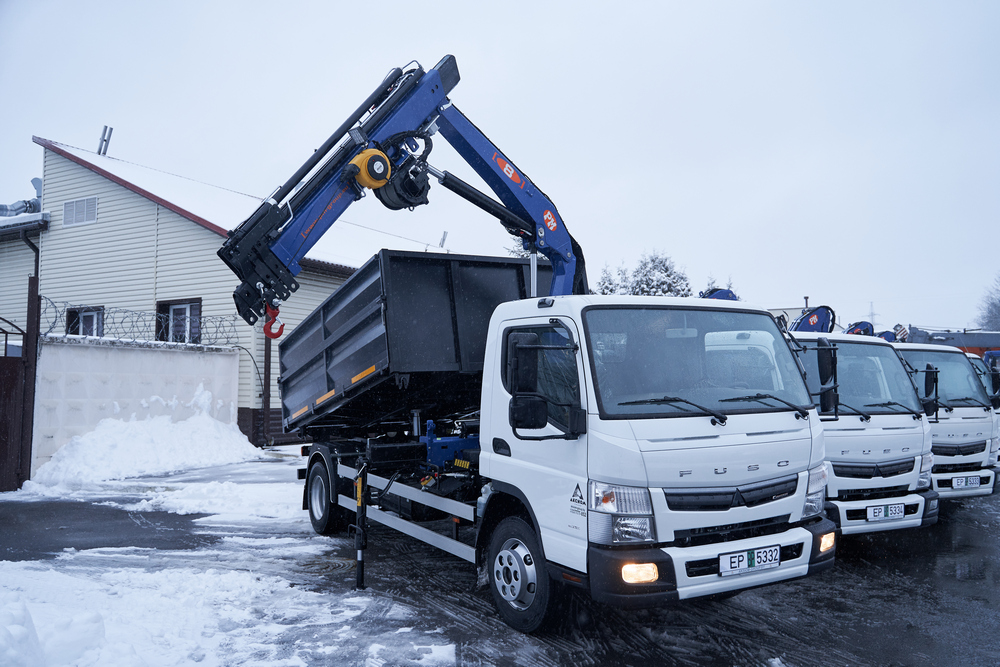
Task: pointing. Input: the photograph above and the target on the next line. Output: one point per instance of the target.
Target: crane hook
(272, 313)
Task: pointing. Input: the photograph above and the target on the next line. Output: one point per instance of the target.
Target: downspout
(34, 249)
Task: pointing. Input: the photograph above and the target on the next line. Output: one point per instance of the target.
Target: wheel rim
(317, 497)
(514, 574)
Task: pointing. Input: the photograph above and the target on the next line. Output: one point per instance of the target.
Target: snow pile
(171, 617)
(119, 449)
(19, 643)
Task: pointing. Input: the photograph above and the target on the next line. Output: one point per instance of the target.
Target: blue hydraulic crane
(384, 146)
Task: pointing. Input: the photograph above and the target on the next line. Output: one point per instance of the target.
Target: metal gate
(11, 409)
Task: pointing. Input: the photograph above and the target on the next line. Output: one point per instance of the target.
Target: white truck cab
(990, 380)
(662, 448)
(879, 444)
(964, 430)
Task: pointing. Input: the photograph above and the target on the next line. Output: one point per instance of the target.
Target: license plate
(752, 560)
(885, 512)
(965, 482)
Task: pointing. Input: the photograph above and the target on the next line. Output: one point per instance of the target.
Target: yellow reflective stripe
(300, 412)
(328, 395)
(363, 374)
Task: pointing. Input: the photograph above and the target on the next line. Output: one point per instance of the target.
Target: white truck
(879, 443)
(963, 430)
(606, 443)
(637, 448)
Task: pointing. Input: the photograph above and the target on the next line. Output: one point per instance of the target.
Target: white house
(123, 242)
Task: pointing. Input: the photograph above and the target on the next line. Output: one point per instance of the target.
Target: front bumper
(944, 483)
(851, 516)
(689, 572)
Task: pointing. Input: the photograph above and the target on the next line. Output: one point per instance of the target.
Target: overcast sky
(845, 151)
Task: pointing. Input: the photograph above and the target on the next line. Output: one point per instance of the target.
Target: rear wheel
(522, 591)
(326, 517)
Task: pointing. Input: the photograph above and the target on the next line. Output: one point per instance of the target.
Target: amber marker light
(826, 542)
(640, 573)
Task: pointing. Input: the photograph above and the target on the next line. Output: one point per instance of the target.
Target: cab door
(545, 460)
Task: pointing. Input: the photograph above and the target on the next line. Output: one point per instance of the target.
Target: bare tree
(989, 307)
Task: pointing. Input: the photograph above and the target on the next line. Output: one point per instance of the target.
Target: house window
(179, 321)
(85, 321)
(80, 212)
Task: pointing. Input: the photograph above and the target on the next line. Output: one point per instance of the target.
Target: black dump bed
(406, 332)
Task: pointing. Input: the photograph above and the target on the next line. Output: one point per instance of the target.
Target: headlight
(926, 464)
(619, 514)
(816, 492)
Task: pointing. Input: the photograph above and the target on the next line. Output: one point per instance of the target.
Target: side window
(179, 321)
(85, 321)
(558, 377)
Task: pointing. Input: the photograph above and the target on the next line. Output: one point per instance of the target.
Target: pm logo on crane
(550, 220)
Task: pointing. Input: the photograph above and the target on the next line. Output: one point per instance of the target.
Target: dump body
(406, 332)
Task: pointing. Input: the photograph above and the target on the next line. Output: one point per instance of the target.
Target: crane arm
(384, 146)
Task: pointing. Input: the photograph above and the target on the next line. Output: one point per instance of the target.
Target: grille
(701, 568)
(847, 495)
(957, 467)
(721, 498)
(959, 450)
(871, 470)
(736, 531)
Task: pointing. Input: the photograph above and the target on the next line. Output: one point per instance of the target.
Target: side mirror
(930, 379)
(995, 381)
(995, 402)
(522, 363)
(826, 361)
(930, 406)
(528, 412)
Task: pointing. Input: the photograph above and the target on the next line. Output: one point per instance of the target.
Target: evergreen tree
(656, 275)
(616, 283)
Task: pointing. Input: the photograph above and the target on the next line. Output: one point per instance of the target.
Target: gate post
(29, 350)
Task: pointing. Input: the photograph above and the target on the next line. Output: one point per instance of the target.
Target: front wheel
(326, 517)
(522, 591)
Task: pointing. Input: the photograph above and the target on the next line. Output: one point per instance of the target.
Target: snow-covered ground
(161, 542)
(233, 602)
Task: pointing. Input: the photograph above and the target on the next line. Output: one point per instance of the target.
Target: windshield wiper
(888, 404)
(973, 399)
(721, 418)
(801, 411)
(864, 415)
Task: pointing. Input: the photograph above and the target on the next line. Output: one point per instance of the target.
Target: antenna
(102, 147)
(443, 237)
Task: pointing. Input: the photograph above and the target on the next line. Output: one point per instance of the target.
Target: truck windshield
(871, 377)
(683, 362)
(982, 371)
(958, 384)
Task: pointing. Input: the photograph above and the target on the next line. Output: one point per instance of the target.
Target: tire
(519, 582)
(326, 517)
